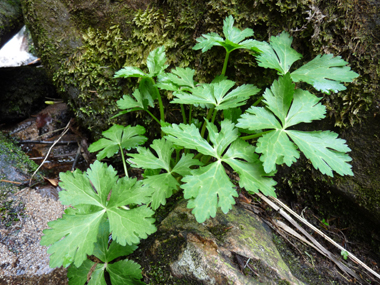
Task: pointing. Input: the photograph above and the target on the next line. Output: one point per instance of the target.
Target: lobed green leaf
(233, 35)
(278, 54)
(118, 137)
(129, 71)
(127, 102)
(156, 61)
(147, 160)
(79, 227)
(325, 151)
(79, 232)
(177, 79)
(215, 95)
(125, 272)
(326, 73)
(208, 188)
(251, 173)
(188, 136)
(292, 107)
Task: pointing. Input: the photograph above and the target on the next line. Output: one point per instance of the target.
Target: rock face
(25, 214)
(219, 250)
(11, 19)
(82, 45)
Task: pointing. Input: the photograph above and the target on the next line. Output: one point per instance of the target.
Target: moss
(11, 155)
(155, 265)
(11, 19)
(176, 24)
(303, 271)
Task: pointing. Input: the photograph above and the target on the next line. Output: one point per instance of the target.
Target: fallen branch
(46, 142)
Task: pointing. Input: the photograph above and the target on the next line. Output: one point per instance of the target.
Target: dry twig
(47, 155)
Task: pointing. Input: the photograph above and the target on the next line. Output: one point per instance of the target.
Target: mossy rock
(16, 167)
(184, 251)
(83, 45)
(11, 19)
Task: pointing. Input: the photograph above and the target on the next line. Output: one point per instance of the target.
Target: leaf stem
(123, 159)
(214, 116)
(209, 114)
(190, 113)
(162, 111)
(183, 114)
(225, 63)
(154, 118)
(254, 136)
(258, 101)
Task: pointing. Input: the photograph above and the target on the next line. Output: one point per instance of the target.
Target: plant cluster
(110, 215)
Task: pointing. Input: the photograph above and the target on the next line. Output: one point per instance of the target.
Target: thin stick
(55, 156)
(321, 249)
(46, 142)
(350, 255)
(63, 133)
(8, 181)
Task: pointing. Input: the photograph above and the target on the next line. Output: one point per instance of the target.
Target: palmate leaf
(177, 79)
(278, 54)
(215, 95)
(129, 71)
(147, 160)
(325, 73)
(327, 154)
(125, 272)
(118, 137)
(155, 63)
(234, 38)
(108, 252)
(79, 276)
(251, 172)
(325, 151)
(127, 102)
(79, 229)
(209, 187)
(163, 184)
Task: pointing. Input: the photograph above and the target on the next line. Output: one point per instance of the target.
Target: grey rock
(214, 249)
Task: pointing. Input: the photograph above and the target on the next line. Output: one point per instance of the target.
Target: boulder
(11, 19)
(229, 249)
(82, 45)
(97, 42)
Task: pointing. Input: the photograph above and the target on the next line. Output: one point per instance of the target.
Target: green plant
(344, 254)
(193, 156)
(326, 223)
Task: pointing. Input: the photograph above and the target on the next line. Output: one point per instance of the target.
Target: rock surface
(219, 250)
(11, 19)
(25, 214)
(98, 41)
